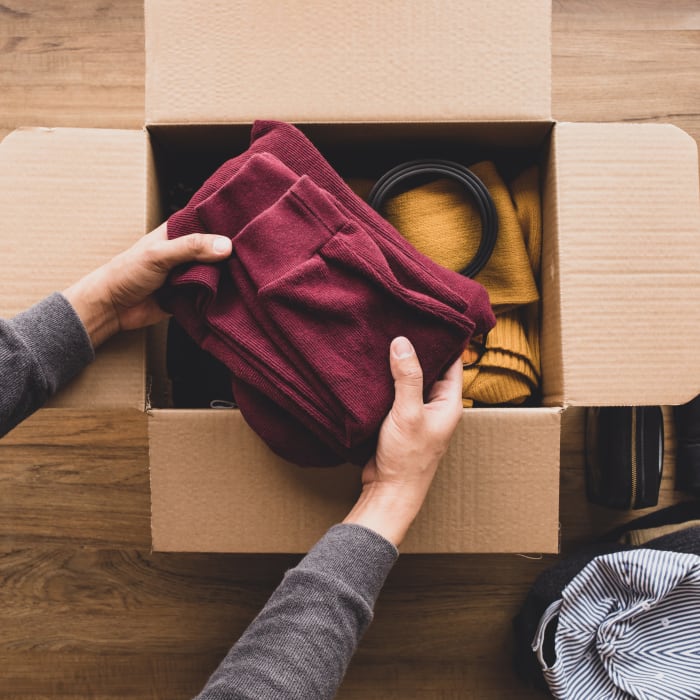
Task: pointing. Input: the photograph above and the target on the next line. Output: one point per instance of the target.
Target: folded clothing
(304, 310)
(445, 225)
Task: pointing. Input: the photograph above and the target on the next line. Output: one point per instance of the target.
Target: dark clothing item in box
(305, 309)
(198, 379)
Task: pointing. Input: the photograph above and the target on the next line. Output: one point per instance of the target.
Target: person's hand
(412, 440)
(118, 295)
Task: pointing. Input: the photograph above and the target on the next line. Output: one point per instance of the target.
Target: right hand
(413, 438)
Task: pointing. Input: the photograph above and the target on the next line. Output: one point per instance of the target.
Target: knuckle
(156, 257)
(152, 255)
(412, 375)
(195, 243)
(409, 416)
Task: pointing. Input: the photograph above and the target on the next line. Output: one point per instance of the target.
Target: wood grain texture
(628, 60)
(81, 480)
(86, 610)
(78, 63)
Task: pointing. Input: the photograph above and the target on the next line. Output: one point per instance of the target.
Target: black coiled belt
(455, 171)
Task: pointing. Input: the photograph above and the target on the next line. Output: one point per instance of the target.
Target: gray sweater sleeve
(41, 349)
(300, 644)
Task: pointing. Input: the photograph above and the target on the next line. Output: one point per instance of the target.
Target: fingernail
(401, 348)
(222, 245)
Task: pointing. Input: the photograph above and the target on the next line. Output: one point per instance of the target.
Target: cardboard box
(620, 267)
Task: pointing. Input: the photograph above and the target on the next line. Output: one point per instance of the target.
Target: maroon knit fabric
(304, 310)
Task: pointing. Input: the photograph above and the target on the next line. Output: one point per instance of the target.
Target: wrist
(96, 312)
(387, 509)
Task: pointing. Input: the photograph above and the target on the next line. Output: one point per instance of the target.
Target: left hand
(118, 295)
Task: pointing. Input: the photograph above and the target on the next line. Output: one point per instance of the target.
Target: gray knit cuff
(53, 332)
(355, 554)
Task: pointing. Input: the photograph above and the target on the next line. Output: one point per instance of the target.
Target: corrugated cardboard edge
(347, 62)
(550, 284)
(197, 457)
(628, 249)
(52, 229)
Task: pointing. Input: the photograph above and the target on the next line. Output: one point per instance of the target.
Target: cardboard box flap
(216, 487)
(70, 200)
(321, 61)
(628, 250)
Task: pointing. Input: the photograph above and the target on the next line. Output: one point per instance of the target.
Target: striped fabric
(628, 627)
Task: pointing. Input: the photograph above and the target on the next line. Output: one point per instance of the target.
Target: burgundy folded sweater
(305, 308)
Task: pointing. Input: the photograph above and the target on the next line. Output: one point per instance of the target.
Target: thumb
(408, 375)
(200, 247)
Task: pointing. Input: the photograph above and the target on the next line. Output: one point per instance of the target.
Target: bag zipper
(637, 454)
(641, 453)
(633, 458)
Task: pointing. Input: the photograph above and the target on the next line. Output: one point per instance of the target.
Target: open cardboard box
(620, 268)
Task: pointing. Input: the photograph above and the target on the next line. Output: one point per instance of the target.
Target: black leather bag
(687, 420)
(624, 456)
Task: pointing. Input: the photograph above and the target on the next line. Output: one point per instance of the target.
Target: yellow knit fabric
(507, 372)
(442, 222)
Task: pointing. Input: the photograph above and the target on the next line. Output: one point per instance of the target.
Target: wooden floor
(86, 611)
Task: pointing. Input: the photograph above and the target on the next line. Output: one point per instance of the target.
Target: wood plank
(68, 599)
(76, 477)
(472, 678)
(82, 604)
(148, 676)
(648, 15)
(71, 64)
(32, 675)
(635, 60)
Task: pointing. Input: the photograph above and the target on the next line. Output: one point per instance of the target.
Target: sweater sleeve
(41, 349)
(301, 643)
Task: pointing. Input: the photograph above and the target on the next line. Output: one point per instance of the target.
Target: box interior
(184, 156)
(271, 506)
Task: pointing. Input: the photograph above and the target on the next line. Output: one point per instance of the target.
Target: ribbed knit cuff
(355, 554)
(509, 370)
(57, 339)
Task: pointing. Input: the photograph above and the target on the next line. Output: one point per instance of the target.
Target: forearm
(88, 296)
(41, 349)
(388, 509)
(300, 644)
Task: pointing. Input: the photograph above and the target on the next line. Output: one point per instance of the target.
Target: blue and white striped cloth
(629, 627)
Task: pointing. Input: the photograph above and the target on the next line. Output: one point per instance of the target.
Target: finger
(199, 247)
(449, 387)
(408, 376)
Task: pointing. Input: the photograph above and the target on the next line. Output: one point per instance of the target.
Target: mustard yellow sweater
(441, 220)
